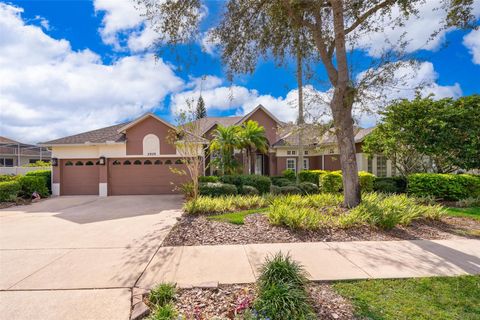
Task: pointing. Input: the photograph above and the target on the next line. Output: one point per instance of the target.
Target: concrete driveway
(78, 257)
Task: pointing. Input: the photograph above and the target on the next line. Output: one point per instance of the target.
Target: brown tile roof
(5, 140)
(95, 136)
(206, 123)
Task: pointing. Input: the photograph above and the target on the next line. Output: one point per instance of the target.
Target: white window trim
(294, 164)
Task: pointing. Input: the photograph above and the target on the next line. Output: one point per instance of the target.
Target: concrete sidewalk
(198, 265)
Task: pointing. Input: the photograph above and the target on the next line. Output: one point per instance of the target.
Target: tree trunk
(300, 120)
(341, 106)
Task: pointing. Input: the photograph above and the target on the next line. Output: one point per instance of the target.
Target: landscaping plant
(209, 205)
(217, 189)
(9, 190)
(163, 294)
(46, 174)
(444, 186)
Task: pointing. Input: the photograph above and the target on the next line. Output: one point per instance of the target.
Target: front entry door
(259, 164)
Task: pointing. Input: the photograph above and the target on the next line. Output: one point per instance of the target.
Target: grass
(162, 294)
(473, 212)
(236, 217)
(420, 298)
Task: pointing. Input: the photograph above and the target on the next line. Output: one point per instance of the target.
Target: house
(137, 157)
(17, 154)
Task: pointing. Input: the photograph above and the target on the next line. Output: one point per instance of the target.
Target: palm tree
(224, 142)
(252, 137)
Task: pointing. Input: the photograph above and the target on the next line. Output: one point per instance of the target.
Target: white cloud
(472, 42)
(417, 30)
(57, 91)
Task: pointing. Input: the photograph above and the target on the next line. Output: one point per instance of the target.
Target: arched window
(158, 162)
(116, 163)
(168, 161)
(79, 163)
(127, 163)
(151, 145)
(147, 162)
(178, 161)
(69, 163)
(89, 163)
(137, 162)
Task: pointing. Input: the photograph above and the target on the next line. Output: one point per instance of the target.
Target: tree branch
(367, 14)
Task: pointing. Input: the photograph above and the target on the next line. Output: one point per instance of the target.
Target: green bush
(39, 163)
(163, 294)
(281, 290)
(261, 183)
(386, 185)
(46, 174)
(209, 205)
(387, 211)
(331, 181)
(217, 189)
(274, 189)
(444, 186)
(7, 177)
(366, 180)
(283, 182)
(469, 202)
(308, 187)
(9, 190)
(166, 312)
(312, 176)
(249, 190)
(289, 174)
(31, 184)
(236, 180)
(290, 190)
(205, 179)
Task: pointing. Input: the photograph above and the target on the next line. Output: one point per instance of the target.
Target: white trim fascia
(85, 144)
(140, 119)
(245, 117)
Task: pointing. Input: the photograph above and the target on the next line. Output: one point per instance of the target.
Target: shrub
(294, 217)
(166, 312)
(308, 187)
(274, 189)
(46, 174)
(261, 183)
(249, 190)
(312, 176)
(9, 190)
(387, 211)
(209, 205)
(283, 182)
(31, 184)
(290, 190)
(366, 180)
(217, 189)
(7, 177)
(281, 290)
(331, 181)
(469, 202)
(39, 163)
(289, 174)
(390, 184)
(205, 179)
(444, 186)
(163, 294)
(236, 180)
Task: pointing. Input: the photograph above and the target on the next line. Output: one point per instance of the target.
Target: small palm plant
(252, 138)
(225, 140)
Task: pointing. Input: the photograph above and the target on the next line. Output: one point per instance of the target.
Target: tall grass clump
(282, 290)
(387, 211)
(210, 205)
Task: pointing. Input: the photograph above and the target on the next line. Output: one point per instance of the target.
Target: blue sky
(71, 66)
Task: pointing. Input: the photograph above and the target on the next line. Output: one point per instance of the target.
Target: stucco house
(136, 157)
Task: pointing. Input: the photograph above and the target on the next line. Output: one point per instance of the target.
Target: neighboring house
(137, 157)
(17, 154)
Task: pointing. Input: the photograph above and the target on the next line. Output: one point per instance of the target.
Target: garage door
(79, 177)
(144, 176)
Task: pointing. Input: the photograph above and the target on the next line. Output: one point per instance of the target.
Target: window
(79, 163)
(394, 169)
(151, 145)
(127, 163)
(158, 162)
(306, 164)
(292, 164)
(291, 152)
(147, 162)
(116, 163)
(331, 151)
(89, 163)
(306, 152)
(69, 163)
(370, 165)
(137, 162)
(381, 166)
(6, 162)
(168, 161)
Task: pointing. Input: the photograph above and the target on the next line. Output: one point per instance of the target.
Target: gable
(266, 121)
(145, 132)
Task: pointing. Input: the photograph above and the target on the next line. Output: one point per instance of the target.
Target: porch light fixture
(101, 161)
(54, 162)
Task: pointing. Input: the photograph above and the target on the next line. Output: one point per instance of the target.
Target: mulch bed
(197, 230)
(205, 303)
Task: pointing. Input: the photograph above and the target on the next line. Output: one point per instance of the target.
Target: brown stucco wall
(267, 122)
(332, 162)
(151, 125)
(56, 174)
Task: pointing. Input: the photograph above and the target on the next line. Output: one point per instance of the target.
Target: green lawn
(422, 298)
(235, 217)
(472, 212)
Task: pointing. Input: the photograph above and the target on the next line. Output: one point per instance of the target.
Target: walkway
(209, 265)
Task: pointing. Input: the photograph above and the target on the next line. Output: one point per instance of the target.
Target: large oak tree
(250, 29)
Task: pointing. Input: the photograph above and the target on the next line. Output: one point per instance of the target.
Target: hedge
(443, 186)
(390, 185)
(206, 179)
(289, 174)
(217, 189)
(290, 190)
(366, 180)
(249, 190)
(261, 183)
(46, 174)
(9, 190)
(331, 181)
(312, 176)
(31, 184)
(283, 182)
(7, 177)
(308, 187)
